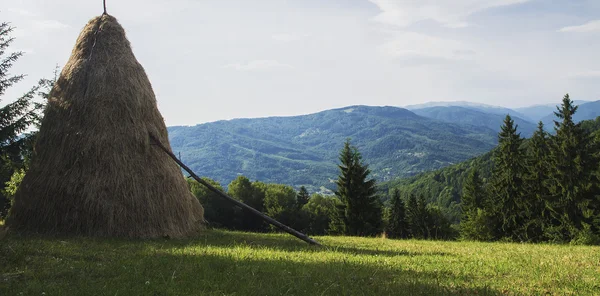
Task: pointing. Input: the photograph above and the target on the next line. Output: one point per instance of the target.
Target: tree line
(355, 209)
(541, 190)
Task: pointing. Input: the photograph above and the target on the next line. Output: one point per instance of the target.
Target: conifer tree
(507, 182)
(302, 197)
(417, 217)
(360, 212)
(15, 117)
(536, 179)
(397, 227)
(573, 182)
(475, 223)
(412, 216)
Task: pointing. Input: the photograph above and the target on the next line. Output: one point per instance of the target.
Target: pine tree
(397, 227)
(360, 213)
(475, 223)
(15, 117)
(507, 182)
(473, 194)
(418, 217)
(573, 183)
(302, 197)
(424, 217)
(536, 179)
(412, 216)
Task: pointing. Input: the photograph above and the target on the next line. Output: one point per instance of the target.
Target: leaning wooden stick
(234, 201)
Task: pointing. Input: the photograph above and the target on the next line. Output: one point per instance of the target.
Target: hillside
(537, 112)
(485, 108)
(443, 187)
(586, 111)
(474, 117)
(236, 263)
(303, 150)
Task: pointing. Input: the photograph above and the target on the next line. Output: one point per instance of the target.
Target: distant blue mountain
(585, 111)
(474, 117)
(473, 106)
(537, 112)
(303, 150)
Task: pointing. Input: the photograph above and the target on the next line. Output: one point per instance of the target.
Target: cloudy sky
(220, 59)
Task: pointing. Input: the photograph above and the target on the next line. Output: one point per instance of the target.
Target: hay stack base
(94, 171)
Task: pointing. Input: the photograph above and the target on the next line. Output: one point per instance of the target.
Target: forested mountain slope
(303, 150)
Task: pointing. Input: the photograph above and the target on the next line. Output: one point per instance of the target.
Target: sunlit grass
(228, 263)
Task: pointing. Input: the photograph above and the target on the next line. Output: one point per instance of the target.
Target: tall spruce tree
(302, 197)
(397, 226)
(573, 182)
(418, 217)
(16, 117)
(412, 216)
(507, 182)
(475, 219)
(536, 179)
(360, 212)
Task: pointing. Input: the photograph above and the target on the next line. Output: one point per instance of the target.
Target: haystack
(95, 170)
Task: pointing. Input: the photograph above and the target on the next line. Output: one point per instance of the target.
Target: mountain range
(303, 150)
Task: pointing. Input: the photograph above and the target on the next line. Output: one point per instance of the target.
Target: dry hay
(94, 170)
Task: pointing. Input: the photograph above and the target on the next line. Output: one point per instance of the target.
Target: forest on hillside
(541, 189)
(528, 190)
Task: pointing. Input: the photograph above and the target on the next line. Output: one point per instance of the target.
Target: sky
(212, 60)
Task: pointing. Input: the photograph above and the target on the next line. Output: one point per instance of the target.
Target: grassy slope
(233, 263)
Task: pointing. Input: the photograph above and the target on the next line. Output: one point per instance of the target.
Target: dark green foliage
(536, 187)
(280, 204)
(439, 226)
(16, 117)
(507, 185)
(360, 212)
(252, 194)
(476, 222)
(218, 212)
(541, 189)
(417, 217)
(412, 215)
(302, 197)
(320, 210)
(444, 187)
(573, 181)
(397, 226)
(426, 221)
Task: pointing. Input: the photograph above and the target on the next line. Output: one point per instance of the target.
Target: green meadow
(236, 263)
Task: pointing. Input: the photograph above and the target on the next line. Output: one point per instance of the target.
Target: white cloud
(450, 14)
(259, 65)
(591, 26)
(411, 44)
(286, 37)
(44, 25)
(586, 74)
(22, 12)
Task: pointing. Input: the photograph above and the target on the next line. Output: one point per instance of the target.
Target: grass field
(234, 263)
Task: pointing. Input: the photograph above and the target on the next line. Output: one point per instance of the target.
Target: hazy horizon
(219, 60)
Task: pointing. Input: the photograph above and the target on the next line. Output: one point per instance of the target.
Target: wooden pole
(234, 201)
(104, 2)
